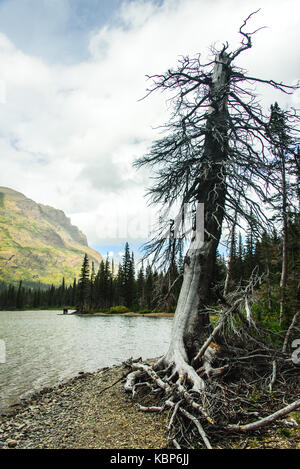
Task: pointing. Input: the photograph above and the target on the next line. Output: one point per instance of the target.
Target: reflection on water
(43, 348)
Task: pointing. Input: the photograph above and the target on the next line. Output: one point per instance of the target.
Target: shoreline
(74, 313)
(92, 411)
(89, 410)
(129, 314)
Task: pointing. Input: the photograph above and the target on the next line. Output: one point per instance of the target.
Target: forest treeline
(144, 288)
(123, 285)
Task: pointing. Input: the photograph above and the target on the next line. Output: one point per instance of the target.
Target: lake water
(44, 348)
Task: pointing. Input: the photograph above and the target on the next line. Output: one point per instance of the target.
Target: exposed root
(178, 369)
(140, 369)
(131, 380)
(251, 380)
(208, 358)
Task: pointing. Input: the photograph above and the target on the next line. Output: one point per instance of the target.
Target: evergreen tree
(37, 298)
(62, 293)
(51, 296)
(93, 286)
(249, 252)
(83, 297)
(119, 286)
(20, 296)
(74, 293)
(280, 201)
(140, 287)
(128, 271)
(101, 286)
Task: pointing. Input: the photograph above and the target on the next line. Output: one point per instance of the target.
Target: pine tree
(37, 298)
(282, 152)
(249, 255)
(140, 287)
(51, 296)
(74, 293)
(62, 293)
(128, 286)
(20, 296)
(109, 292)
(101, 285)
(11, 296)
(93, 287)
(119, 286)
(84, 285)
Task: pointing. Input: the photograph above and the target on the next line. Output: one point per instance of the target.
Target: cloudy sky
(72, 73)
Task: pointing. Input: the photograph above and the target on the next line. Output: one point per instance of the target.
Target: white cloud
(69, 133)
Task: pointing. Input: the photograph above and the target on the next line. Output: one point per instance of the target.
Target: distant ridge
(38, 243)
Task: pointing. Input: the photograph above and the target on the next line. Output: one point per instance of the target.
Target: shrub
(145, 311)
(118, 310)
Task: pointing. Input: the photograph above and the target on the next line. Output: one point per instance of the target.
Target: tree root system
(246, 384)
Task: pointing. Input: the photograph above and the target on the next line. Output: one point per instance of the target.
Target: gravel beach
(91, 410)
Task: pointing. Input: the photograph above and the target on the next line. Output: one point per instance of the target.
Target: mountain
(38, 243)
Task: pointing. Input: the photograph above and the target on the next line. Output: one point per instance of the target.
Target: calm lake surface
(44, 348)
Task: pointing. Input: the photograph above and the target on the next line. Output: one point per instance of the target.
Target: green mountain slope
(38, 243)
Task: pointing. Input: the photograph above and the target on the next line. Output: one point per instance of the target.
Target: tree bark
(231, 254)
(191, 320)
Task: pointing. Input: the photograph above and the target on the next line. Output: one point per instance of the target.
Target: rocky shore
(89, 411)
(92, 411)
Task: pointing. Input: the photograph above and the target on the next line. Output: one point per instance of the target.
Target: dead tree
(231, 255)
(215, 152)
(282, 202)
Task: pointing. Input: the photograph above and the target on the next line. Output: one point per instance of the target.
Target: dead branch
(273, 379)
(114, 383)
(267, 420)
(198, 425)
(289, 331)
(165, 298)
(247, 36)
(217, 329)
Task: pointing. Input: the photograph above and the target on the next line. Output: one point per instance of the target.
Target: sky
(72, 75)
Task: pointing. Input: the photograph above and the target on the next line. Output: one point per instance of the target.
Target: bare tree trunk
(231, 254)
(269, 290)
(191, 321)
(283, 278)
